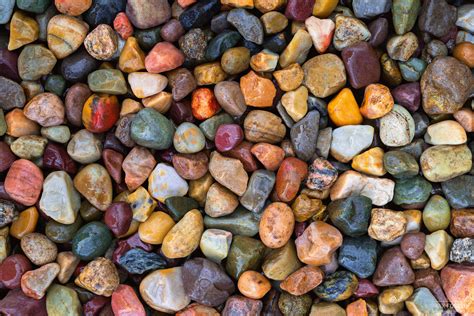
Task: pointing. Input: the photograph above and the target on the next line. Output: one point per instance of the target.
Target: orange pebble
(25, 223)
(378, 101)
(19, 125)
(464, 52)
(253, 285)
(123, 26)
(343, 109)
(204, 104)
(24, 182)
(357, 308)
(257, 91)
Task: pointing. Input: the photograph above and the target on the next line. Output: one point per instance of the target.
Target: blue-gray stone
(138, 261)
(258, 190)
(304, 135)
(6, 10)
(359, 255)
(366, 9)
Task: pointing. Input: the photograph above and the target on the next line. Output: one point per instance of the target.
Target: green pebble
(404, 13)
(209, 126)
(91, 241)
(35, 61)
(33, 6)
(359, 255)
(60, 134)
(62, 233)
(109, 81)
(151, 129)
(351, 215)
(245, 254)
(291, 305)
(3, 124)
(178, 206)
(219, 44)
(55, 84)
(337, 286)
(281, 262)
(412, 191)
(400, 164)
(436, 214)
(240, 222)
(412, 69)
(148, 38)
(62, 300)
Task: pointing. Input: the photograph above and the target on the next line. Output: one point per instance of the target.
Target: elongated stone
(258, 190)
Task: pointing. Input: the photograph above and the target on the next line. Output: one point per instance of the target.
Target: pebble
(7, 10)
(22, 224)
(349, 31)
(65, 34)
(220, 201)
(12, 269)
(402, 47)
(412, 245)
(391, 300)
(248, 25)
(215, 244)
(84, 147)
(29, 147)
(281, 262)
(239, 222)
(137, 166)
(172, 30)
(404, 14)
(343, 109)
(437, 247)
(393, 269)
(99, 276)
(324, 75)
(68, 263)
(245, 254)
(235, 60)
(377, 101)
(35, 61)
(46, 109)
(204, 104)
(359, 255)
(62, 300)
(461, 251)
(240, 304)
(386, 224)
(370, 162)
(413, 191)
(437, 98)
(178, 244)
(321, 32)
(436, 133)
(455, 279)
(294, 305)
(444, 162)
(400, 164)
(230, 97)
(151, 129)
(436, 214)
(23, 30)
(23, 182)
(464, 17)
(191, 166)
(132, 58)
(276, 225)
(269, 155)
(17, 302)
(337, 287)
(102, 42)
(138, 261)
(163, 57)
(460, 223)
(12, 94)
(94, 183)
(144, 15)
(164, 182)
(436, 17)
(297, 49)
(38, 248)
(125, 302)
(423, 302)
(366, 10)
(350, 215)
(182, 83)
(34, 283)
(257, 91)
(348, 141)
(229, 172)
(170, 297)
(362, 64)
(397, 128)
(303, 280)
(455, 194)
(318, 233)
(289, 177)
(304, 135)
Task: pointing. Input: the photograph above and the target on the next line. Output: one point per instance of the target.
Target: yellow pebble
(343, 109)
(155, 228)
(132, 58)
(23, 30)
(142, 204)
(370, 162)
(25, 223)
(323, 8)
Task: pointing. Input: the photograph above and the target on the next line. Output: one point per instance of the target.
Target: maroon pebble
(94, 306)
(366, 289)
(379, 31)
(11, 270)
(228, 136)
(172, 31)
(113, 162)
(6, 157)
(243, 153)
(362, 64)
(56, 157)
(408, 95)
(76, 96)
(180, 112)
(8, 64)
(16, 303)
(413, 244)
(123, 246)
(118, 217)
(299, 10)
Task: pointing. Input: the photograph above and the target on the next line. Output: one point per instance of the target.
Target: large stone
(350, 140)
(94, 183)
(324, 75)
(437, 17)
(457, 283)
(393, 269)
(444, 162)
(229, 172)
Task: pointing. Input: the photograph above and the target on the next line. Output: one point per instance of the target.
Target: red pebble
(299, 10)
(94, 306)
(228, 136)
(11, 270)
(291, 173)
(113, 162)
(118, 217)
(56, 157)
(126, 303)
(366, 289)
(242, 152)
(204, 104)
(123, 26)
(100, 112)
(24, 182)
(163, 57)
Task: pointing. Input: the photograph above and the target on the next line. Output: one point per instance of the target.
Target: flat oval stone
(414, 190)
(444, 162)
(35, 61)
(263, 126)
(91, 241)
(94, 183)
(109, 81)
(229, 172)
(276, 225)
(248, 25)
(188, 138)
(84, 147)
(230, 97)
(400, 164)
(240, 222)
(455, 193)
(11, 94)
(61, 300)
(437, 134)
(151, 129)
(191, 166)
(29, 147)
(397, 128)
(47, 109)
(23, 182)
(38, 248)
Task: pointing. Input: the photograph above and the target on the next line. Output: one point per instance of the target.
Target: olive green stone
(351, 215)
(62, 233)
(245, 254)
(34, 6)
(209, 126)
(235, 60)
(91, 241)
(60, 134)
(3, 124)
(412, 191)
(151, 129)
(281, 262)
(400, 164)
(404, 13)
(219, 44)
(148, 38)
(455, 191)
(29, 147)
(180, 205)
(337, 286)
(55, 84)
(444, 162)
(291, 305)
(240, 222)
(35, 61)
(436, 214)
(109, 81)
(62, 300)
(89, 212)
